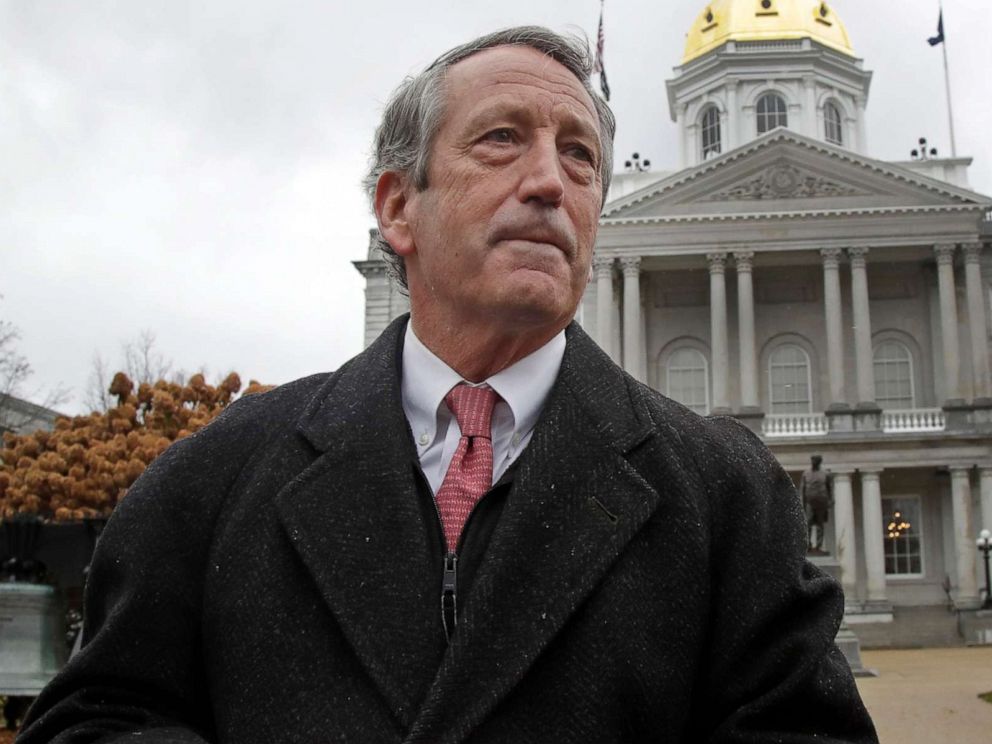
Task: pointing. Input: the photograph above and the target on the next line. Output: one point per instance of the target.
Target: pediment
(785, 180)
(787, 172)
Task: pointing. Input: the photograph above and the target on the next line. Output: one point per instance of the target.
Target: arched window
(772, 112)
(833, 127)
(789, 380)
(894, 376)
(710, 125)
(687, 379)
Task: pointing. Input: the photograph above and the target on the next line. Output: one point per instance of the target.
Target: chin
(533, 313)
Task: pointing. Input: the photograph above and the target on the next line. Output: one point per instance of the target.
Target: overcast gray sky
(193, 168)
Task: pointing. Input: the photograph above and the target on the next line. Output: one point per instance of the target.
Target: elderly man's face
(504, 231)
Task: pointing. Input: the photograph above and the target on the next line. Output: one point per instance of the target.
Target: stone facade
(836, 304)
(883, 259)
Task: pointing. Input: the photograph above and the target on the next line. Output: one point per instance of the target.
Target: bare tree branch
(17, 414)
(142, 362)
(98, 397)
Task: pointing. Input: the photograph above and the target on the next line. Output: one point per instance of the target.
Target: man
(480, 529)
(816, 492)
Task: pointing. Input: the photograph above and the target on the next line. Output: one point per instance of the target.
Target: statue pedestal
(32, 639)
(976, 626)
(846, 640)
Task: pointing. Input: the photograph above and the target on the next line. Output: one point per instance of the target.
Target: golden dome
(763, 20)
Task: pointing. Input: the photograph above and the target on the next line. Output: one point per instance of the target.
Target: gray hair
(413, 114)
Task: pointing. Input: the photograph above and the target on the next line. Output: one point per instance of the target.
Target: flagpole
(947, 87)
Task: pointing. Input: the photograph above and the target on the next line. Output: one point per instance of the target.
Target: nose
(542, 181)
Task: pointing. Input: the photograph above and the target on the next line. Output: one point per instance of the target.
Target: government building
(836, 304)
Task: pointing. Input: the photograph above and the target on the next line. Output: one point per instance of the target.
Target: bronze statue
(816, 491)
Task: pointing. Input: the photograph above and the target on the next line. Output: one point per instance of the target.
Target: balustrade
(794, 425)
(912, 420)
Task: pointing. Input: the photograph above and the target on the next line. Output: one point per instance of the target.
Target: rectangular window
(902, 531)
(790, 388)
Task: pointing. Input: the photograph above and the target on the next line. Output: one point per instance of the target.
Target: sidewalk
(922, 696)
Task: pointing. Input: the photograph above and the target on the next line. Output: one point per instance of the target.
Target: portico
(836, 305)
(658, 270)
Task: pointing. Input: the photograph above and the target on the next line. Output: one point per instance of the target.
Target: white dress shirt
(523, 387)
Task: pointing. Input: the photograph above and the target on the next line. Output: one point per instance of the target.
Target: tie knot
(473, 409)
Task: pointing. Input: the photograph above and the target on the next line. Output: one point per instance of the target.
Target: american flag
(598, 65)
(933, 40)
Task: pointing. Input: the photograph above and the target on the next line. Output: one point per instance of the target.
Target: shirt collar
(425, 380)
(524, 385)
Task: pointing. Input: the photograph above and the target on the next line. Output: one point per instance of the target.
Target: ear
(391, 211)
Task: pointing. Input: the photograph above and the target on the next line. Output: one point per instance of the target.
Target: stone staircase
(913, 627)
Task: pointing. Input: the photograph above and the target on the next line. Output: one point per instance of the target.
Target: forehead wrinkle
(562, 86)
(569, 108)
(520, 71)
(465, 79)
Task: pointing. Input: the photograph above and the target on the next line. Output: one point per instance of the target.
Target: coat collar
(354, 518)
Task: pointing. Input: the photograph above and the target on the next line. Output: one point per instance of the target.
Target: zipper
(449, 594)
(449, 579)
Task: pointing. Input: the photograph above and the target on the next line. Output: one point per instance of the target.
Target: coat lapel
(575, 504)
(354, 518)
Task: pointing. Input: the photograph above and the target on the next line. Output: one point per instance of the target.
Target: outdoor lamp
(984, 543)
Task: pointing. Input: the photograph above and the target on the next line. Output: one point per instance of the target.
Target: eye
(580, 152)
(503, 136)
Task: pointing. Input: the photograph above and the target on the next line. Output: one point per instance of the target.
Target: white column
(680, 112)
(724, 128)
(964, 537)
(862, 143)
(809, 108)
(845, 536)
(718, 330)
(977, 321)
(693, 156)
(985, 484)
(949, 321)
(643, 368)
(632, 354)
(871, 512)
(733, 115)
(835, 326)
(862, 328)
(377, 304)
(745, 317)
(602, 266)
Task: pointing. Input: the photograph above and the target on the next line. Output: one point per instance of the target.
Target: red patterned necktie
(470, 473)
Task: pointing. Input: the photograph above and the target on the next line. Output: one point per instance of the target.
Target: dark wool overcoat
(268, 580)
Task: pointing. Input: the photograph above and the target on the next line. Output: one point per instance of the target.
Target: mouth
(544, 238)
(533, 232)
(534, 241)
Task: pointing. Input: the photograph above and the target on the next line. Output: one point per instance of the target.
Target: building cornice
(372, 268)
(797, 214)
